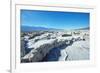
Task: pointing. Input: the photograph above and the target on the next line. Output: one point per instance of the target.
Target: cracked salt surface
(78, 51)
(57, 48)
(40, 42)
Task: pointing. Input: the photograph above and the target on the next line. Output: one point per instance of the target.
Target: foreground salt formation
(78, 51)
(75, 47)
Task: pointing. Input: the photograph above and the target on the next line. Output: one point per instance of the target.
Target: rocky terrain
(45, 46)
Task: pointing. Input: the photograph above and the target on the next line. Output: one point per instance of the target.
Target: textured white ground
(75, 48)
(40, 42)
(79, 50)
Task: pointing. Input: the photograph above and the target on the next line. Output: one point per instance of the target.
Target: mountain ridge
(34, 28)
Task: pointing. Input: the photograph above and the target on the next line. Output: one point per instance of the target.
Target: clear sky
(53, 19)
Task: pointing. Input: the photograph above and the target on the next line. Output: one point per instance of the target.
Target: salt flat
(77, 51)
(56, 46)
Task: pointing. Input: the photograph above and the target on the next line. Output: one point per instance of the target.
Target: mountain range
(34, 28)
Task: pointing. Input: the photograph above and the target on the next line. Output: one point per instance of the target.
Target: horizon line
(56, 28)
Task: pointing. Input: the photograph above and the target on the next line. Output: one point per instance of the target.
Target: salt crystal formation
(39, 46)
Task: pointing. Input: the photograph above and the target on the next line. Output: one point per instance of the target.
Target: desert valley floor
(45, 46)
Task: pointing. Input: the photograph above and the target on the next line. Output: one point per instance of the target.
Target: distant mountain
(86, 28)
(32, 28)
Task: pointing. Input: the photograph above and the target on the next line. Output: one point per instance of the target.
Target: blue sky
(53, 19)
